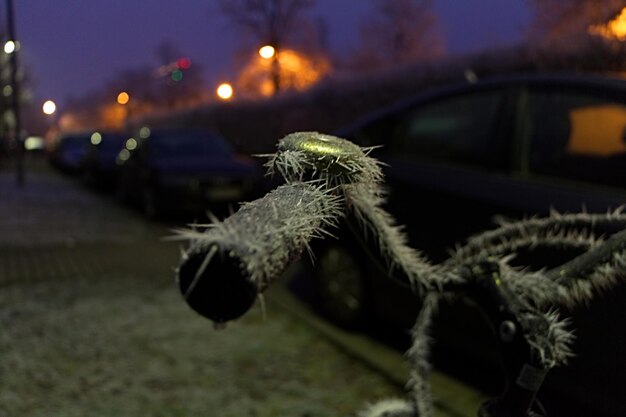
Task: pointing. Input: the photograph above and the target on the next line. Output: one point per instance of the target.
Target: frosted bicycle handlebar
(231, 262)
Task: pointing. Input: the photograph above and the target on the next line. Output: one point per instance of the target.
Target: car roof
(88, 133)
(577, 80)
(182, 131)
(607, 82)
(80, 135)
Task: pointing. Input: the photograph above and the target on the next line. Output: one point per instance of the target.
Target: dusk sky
(75, 46)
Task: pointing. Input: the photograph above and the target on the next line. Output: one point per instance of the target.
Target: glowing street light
(614, 29)
(225, 91)
(267, 51)
(123, 98)
(9, 47)
(49, 107)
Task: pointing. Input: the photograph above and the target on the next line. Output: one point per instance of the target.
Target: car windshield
(188, 144)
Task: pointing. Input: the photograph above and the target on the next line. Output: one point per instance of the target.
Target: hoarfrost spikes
(389, 408)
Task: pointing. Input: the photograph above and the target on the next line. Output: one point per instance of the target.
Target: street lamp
(267, 51)
(123, 98)
(49, 107)
(225, 91)
(270, 52)
(9, 47)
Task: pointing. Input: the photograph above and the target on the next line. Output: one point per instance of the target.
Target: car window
(578, 136)
(460, 129)
(188, 145)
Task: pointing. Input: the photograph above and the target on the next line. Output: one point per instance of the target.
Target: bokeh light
(131, 144)
(183, 63)
(225, 91)
(267, 51)
(123, 98)
(177, 75)
(96, 138)
(122, 156)
(9, 47)
(33, 143)
(614, 29)
(144, 132)
(49, 107)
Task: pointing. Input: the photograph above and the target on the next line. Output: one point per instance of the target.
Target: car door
(448, 160)
(575, 157)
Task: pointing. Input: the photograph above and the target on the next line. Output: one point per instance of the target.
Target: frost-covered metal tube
(229, 263)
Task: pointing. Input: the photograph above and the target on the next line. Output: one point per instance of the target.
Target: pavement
(51, 226)
(52, 229)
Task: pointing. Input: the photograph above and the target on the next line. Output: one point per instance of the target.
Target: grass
(128, 346)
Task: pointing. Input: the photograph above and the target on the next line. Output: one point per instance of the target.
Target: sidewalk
(51, 209)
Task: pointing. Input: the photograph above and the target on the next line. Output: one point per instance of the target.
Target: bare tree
(271, 22)
(399, 31)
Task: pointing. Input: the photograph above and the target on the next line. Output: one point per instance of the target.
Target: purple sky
(74, 46)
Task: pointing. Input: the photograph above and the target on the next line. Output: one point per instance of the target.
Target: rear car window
(188, 144)
(578, 136)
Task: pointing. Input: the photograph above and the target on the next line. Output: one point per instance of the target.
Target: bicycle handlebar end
(220, 293)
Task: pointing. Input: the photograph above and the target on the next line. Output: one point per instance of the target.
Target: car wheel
(341, 284)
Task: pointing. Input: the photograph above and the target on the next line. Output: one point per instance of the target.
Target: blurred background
(107, 65)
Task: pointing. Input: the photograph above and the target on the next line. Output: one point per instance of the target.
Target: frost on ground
(129, 347)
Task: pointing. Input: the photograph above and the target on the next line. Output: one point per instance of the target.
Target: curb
(452, 398)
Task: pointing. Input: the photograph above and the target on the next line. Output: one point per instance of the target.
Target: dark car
(68, 151)
(456, 157)
(184, 171)
(100, 160)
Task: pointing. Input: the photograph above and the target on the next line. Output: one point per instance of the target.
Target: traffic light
(177, 72)
(176, 75)
(183, 63)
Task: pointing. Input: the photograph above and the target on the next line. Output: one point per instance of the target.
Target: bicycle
(228, 264)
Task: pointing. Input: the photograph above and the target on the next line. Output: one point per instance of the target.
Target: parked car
(68, 151)
(456, 157)
(184, 171)
(99, 167)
